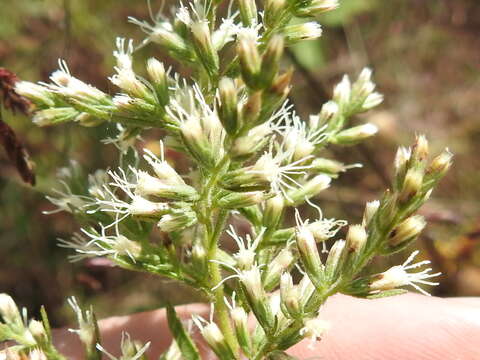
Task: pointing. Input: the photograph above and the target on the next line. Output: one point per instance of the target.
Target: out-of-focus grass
(425, 61)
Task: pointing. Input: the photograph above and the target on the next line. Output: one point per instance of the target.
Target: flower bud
(253, 141)
(163, 35)
(306, 31)
(273, 211)
(356, 238)
(249, 58)
(248, 12)
(199, 256)
(279, 90)
(290, 304)
(342, 91)
(251, 109)
(255, 293)
(411, 184)
(143, 207)
(38, 94)
(327, 166)
(370, 211)
(310, 189)
(334, 263)
(355, 134)
(274, 10)
(9, 310)
(315, 7)
(372, 100)
(37, 330)
(440, 165)
(177, 220)
(214, 337)
(240, 324)
(307, 247)
(157, 74)
(236, 200)
(227, 108)
(328, 112)
(54, 116)
(402, 160)
(420, 149)
(204, 49)
(150, 185)
(409, 229)
(271, 60)
(277, 266)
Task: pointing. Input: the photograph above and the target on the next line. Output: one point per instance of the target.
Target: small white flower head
(212, 334)
(128, 348)
(137, 206)
(86, 322)
(307, 245)
(299, 140)
(272, 168)
(100, 244)
(246, 253)
(65, 84)
(163, 170)
(123, 54)
(8, 309)
(314, 329)
(225, 33)
(322, 228)
(399, 275)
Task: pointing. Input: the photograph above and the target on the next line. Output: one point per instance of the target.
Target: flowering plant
(252, 157)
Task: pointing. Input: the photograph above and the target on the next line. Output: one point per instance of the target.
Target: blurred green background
(426, 61)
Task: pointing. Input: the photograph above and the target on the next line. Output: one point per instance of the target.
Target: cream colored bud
(420, 149)
(408, 229)
(355, 134)
(356, 237)
(370, 211)
(372, 100)
(143, 207)
(342, 91)
(411, 184)
(8, 309)
(306, 31)
(156, 70)
(441, 163)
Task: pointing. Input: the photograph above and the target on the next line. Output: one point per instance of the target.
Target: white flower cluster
(243, 151)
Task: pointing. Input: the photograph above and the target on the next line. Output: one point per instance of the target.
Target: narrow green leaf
(187, 347)
(46, 323)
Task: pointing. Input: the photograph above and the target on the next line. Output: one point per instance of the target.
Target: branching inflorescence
(251, 156)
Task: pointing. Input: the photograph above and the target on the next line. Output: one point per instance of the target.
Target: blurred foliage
(429, 88)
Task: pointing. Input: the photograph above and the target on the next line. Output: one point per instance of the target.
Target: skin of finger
(403, 327)
(407, 327)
